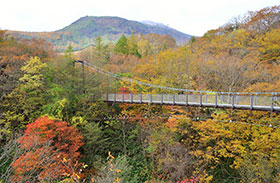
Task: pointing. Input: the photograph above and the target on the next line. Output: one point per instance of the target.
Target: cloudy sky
(193, 17)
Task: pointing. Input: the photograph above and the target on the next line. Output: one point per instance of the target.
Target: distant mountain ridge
(83, 31)
(149, 22)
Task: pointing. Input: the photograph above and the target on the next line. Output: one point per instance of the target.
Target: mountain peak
(83, 31)
(92, 26)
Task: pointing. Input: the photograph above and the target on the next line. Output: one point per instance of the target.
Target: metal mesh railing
(214, 100)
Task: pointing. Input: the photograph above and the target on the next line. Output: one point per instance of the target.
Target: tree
(33, 77)
(98, 43)
(122, 46)
(66, 93)
(100, 51)
(51, 151)
(24, 104)
(170, 68)
(9, 152)
(132, 46)
(268, 46)
(99, 54)
(14, 53)
(152, 44)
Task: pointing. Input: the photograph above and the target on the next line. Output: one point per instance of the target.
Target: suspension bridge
(260, 101)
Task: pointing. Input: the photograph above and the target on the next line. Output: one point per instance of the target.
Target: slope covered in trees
(55, 128)
(243, 56)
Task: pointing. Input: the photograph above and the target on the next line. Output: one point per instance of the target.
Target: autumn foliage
(151, 143)
(51, 151)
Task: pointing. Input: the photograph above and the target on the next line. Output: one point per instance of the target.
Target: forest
(54, 126)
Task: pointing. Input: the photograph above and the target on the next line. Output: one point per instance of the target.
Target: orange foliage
(51, 151)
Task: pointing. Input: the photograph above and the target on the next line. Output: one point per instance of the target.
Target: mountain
(83, 32)
(148, 22)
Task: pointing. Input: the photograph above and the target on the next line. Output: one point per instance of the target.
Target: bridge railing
(265, 103)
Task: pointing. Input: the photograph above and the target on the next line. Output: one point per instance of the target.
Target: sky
(194, 17)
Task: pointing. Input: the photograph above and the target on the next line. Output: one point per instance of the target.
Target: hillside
(83, 32)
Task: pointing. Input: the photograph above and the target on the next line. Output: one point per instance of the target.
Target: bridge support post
(187, 99)
(256, 99)
(107, 97)
(141, 98)
(83, 69)
(173, 99)
(131, 98)
(251, 102)
(216, 100)
(122, 98)
(115, 97)
(237, 98)
(84, 77)
(200, 100)
(272, 103)
(232, 101)
(161, 98)
(151, 98)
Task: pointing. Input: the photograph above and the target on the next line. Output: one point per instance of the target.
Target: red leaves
(47, 142)
(192, 180)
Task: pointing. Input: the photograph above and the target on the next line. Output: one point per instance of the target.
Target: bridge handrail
(261, 103)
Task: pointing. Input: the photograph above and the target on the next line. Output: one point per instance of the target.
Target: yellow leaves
(198, 153)
(170, 68)
(75, 176)
(204, 155)
(68, 180)
(110, 156)
(33, 66)
(76, 120)
(32, 69)
(268, 45)
(85, 166)
(209, 149)
(117, 180)
(239, 38)
(222, 141)
(203, 177)
(118, 170)
(211, 63)
(209, 178)
(112, 167)
(236, 146)
(208, 157)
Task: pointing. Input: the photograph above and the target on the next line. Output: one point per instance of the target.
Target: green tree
(68, 53)
(132, 46)
(122, 46)
(100, 51)
(98, 43)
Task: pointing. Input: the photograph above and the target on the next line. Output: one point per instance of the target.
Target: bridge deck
(260, 103)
